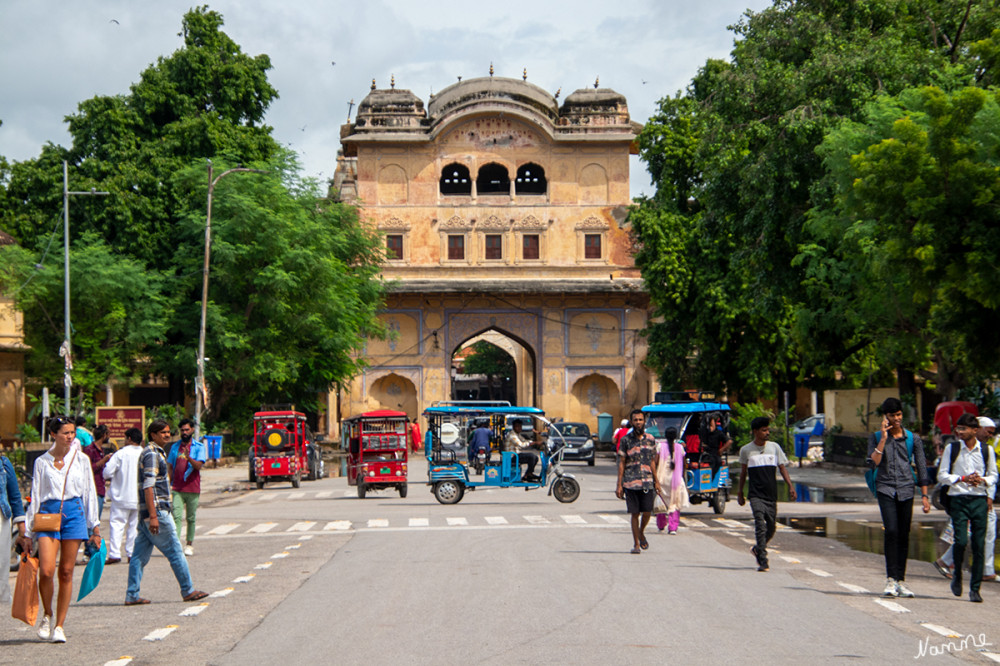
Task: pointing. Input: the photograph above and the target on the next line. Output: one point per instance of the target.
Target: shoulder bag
(52, 522)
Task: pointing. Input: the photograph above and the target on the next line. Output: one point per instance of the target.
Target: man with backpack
(971, 476)
(892, 454)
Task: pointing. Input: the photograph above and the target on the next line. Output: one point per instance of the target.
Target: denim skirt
(74, 522)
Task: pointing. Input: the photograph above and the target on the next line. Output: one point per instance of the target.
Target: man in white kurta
(122, 474)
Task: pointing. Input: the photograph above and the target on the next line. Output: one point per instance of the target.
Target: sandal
(196, 596)
(636, 551)
(139, 601)
(643, 543)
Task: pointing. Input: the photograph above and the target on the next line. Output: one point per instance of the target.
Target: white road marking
(160, 634)
(537, 520)
(193, 610)
(790, 560)
(892, 605)
(324, 494)
(614, 520)
(223, 529)
(574, 520)
(496, 520)
(857, 589)
(218, 594)
(266, 497)
(244, 579)
(292, 496)
(733, 524)
(280, 556)
(378, 522)
(749, 542)
(938, 629)
(260, 528)
(304, 526)
(992, 656)
(305, 537)
(820, 573)
(264, 565)
(690, 522)
(293, 546)
(123, 661)
(419, 522)
(735, 534)
(458, 521)
(338, 525)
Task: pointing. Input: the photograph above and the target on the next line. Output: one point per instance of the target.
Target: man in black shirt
(714, 442)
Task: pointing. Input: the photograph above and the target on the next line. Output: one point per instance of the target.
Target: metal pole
(199, 389)
(66, 351)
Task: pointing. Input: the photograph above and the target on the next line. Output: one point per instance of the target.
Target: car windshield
(657, 424)
(573, 429)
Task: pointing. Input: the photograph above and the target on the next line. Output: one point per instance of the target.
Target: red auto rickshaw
(376, 450)
(283, 449)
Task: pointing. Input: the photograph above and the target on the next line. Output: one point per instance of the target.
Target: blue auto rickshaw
(448, 471)
(688, 413)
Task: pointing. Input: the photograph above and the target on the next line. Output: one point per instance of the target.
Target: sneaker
(45, 628)
(890, 588)
(189, 550)
(58, 636)
(903, 591)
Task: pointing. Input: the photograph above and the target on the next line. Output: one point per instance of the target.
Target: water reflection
(818, 495)
(868, 537)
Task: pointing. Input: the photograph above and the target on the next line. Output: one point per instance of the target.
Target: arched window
(530, 179)
(455, 179)
(493, 179)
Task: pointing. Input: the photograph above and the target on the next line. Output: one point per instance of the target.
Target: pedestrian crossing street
(444, 522)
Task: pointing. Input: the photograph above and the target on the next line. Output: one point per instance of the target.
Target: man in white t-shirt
(122, 474)
(759, 460)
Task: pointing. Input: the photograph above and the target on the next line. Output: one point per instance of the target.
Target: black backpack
(953, 451)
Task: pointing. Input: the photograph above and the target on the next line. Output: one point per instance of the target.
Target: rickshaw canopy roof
(299, 416)
(464, 409)
(947, 413)
(685, 407)
(379, 414)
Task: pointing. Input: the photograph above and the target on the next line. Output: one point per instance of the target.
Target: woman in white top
(61, 467)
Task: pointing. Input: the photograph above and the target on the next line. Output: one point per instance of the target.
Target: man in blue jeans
(156, 525)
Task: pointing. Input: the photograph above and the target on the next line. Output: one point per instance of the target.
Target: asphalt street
(508, 576)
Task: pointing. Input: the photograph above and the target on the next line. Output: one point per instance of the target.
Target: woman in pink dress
(671, 477)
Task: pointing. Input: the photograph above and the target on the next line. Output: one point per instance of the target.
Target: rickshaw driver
(515, 442)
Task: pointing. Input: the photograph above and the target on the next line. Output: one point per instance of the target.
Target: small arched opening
(493, 179)
(455, 179)
(530, 180)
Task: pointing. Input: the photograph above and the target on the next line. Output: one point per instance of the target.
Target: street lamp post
(66, 350)
(199, 389)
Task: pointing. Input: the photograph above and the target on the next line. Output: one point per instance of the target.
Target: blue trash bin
(214, 443)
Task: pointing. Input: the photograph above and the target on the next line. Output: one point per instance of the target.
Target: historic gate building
(503, 214)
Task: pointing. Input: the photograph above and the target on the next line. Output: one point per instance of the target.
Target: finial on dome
(491, 70)
(373, 85)
(596, 82)
(392, 82)
(524, 75)
(558, 92)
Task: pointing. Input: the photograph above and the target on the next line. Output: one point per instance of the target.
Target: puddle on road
(817, 495)
(868, 537)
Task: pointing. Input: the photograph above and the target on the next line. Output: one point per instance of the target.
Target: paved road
(505, 576)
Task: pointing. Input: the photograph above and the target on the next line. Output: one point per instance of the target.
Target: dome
(492, 91)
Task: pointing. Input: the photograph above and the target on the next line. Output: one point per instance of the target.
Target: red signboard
(120, 419)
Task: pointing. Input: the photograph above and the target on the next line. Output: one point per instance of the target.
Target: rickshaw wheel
(449, 491)
(260, 485)
(719, 501)
(297, 480)
(402, 489)
(566, 490)
(361, 489)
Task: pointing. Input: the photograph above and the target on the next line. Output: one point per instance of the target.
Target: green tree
(797, 70)
(903, 259)
(488, 359)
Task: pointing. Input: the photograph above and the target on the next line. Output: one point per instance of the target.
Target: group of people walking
(69, 484)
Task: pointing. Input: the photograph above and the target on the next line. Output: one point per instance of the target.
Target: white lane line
(324, 494)
(305, 537)
(218, 594)
(732, 524)
(295, 546)
(193, 610)
(123, 661)
(992, 656)
(735, 534)
(857, 589)
(574, 520)
(223, 529)
(749, 542)
(280, 556)
(820, 573)
(267, 497)
(160, 634)
(790, 560)
(689, 522)
(378, 522)
(458, 521)
(614, 520)
(348, 493)
(260, 528)
(938, 629)
(198, 527)
(304, 526)
(496, 520)
(292, 496)
(244, 579)
(337, 525)
(537, 520)
(892, 605)
(419, 522)
(264, 565)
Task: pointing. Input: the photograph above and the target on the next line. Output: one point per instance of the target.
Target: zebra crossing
(414, 523)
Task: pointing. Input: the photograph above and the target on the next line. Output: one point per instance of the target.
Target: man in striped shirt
(759, 460)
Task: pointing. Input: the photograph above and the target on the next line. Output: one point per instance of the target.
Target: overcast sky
(57, 53)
